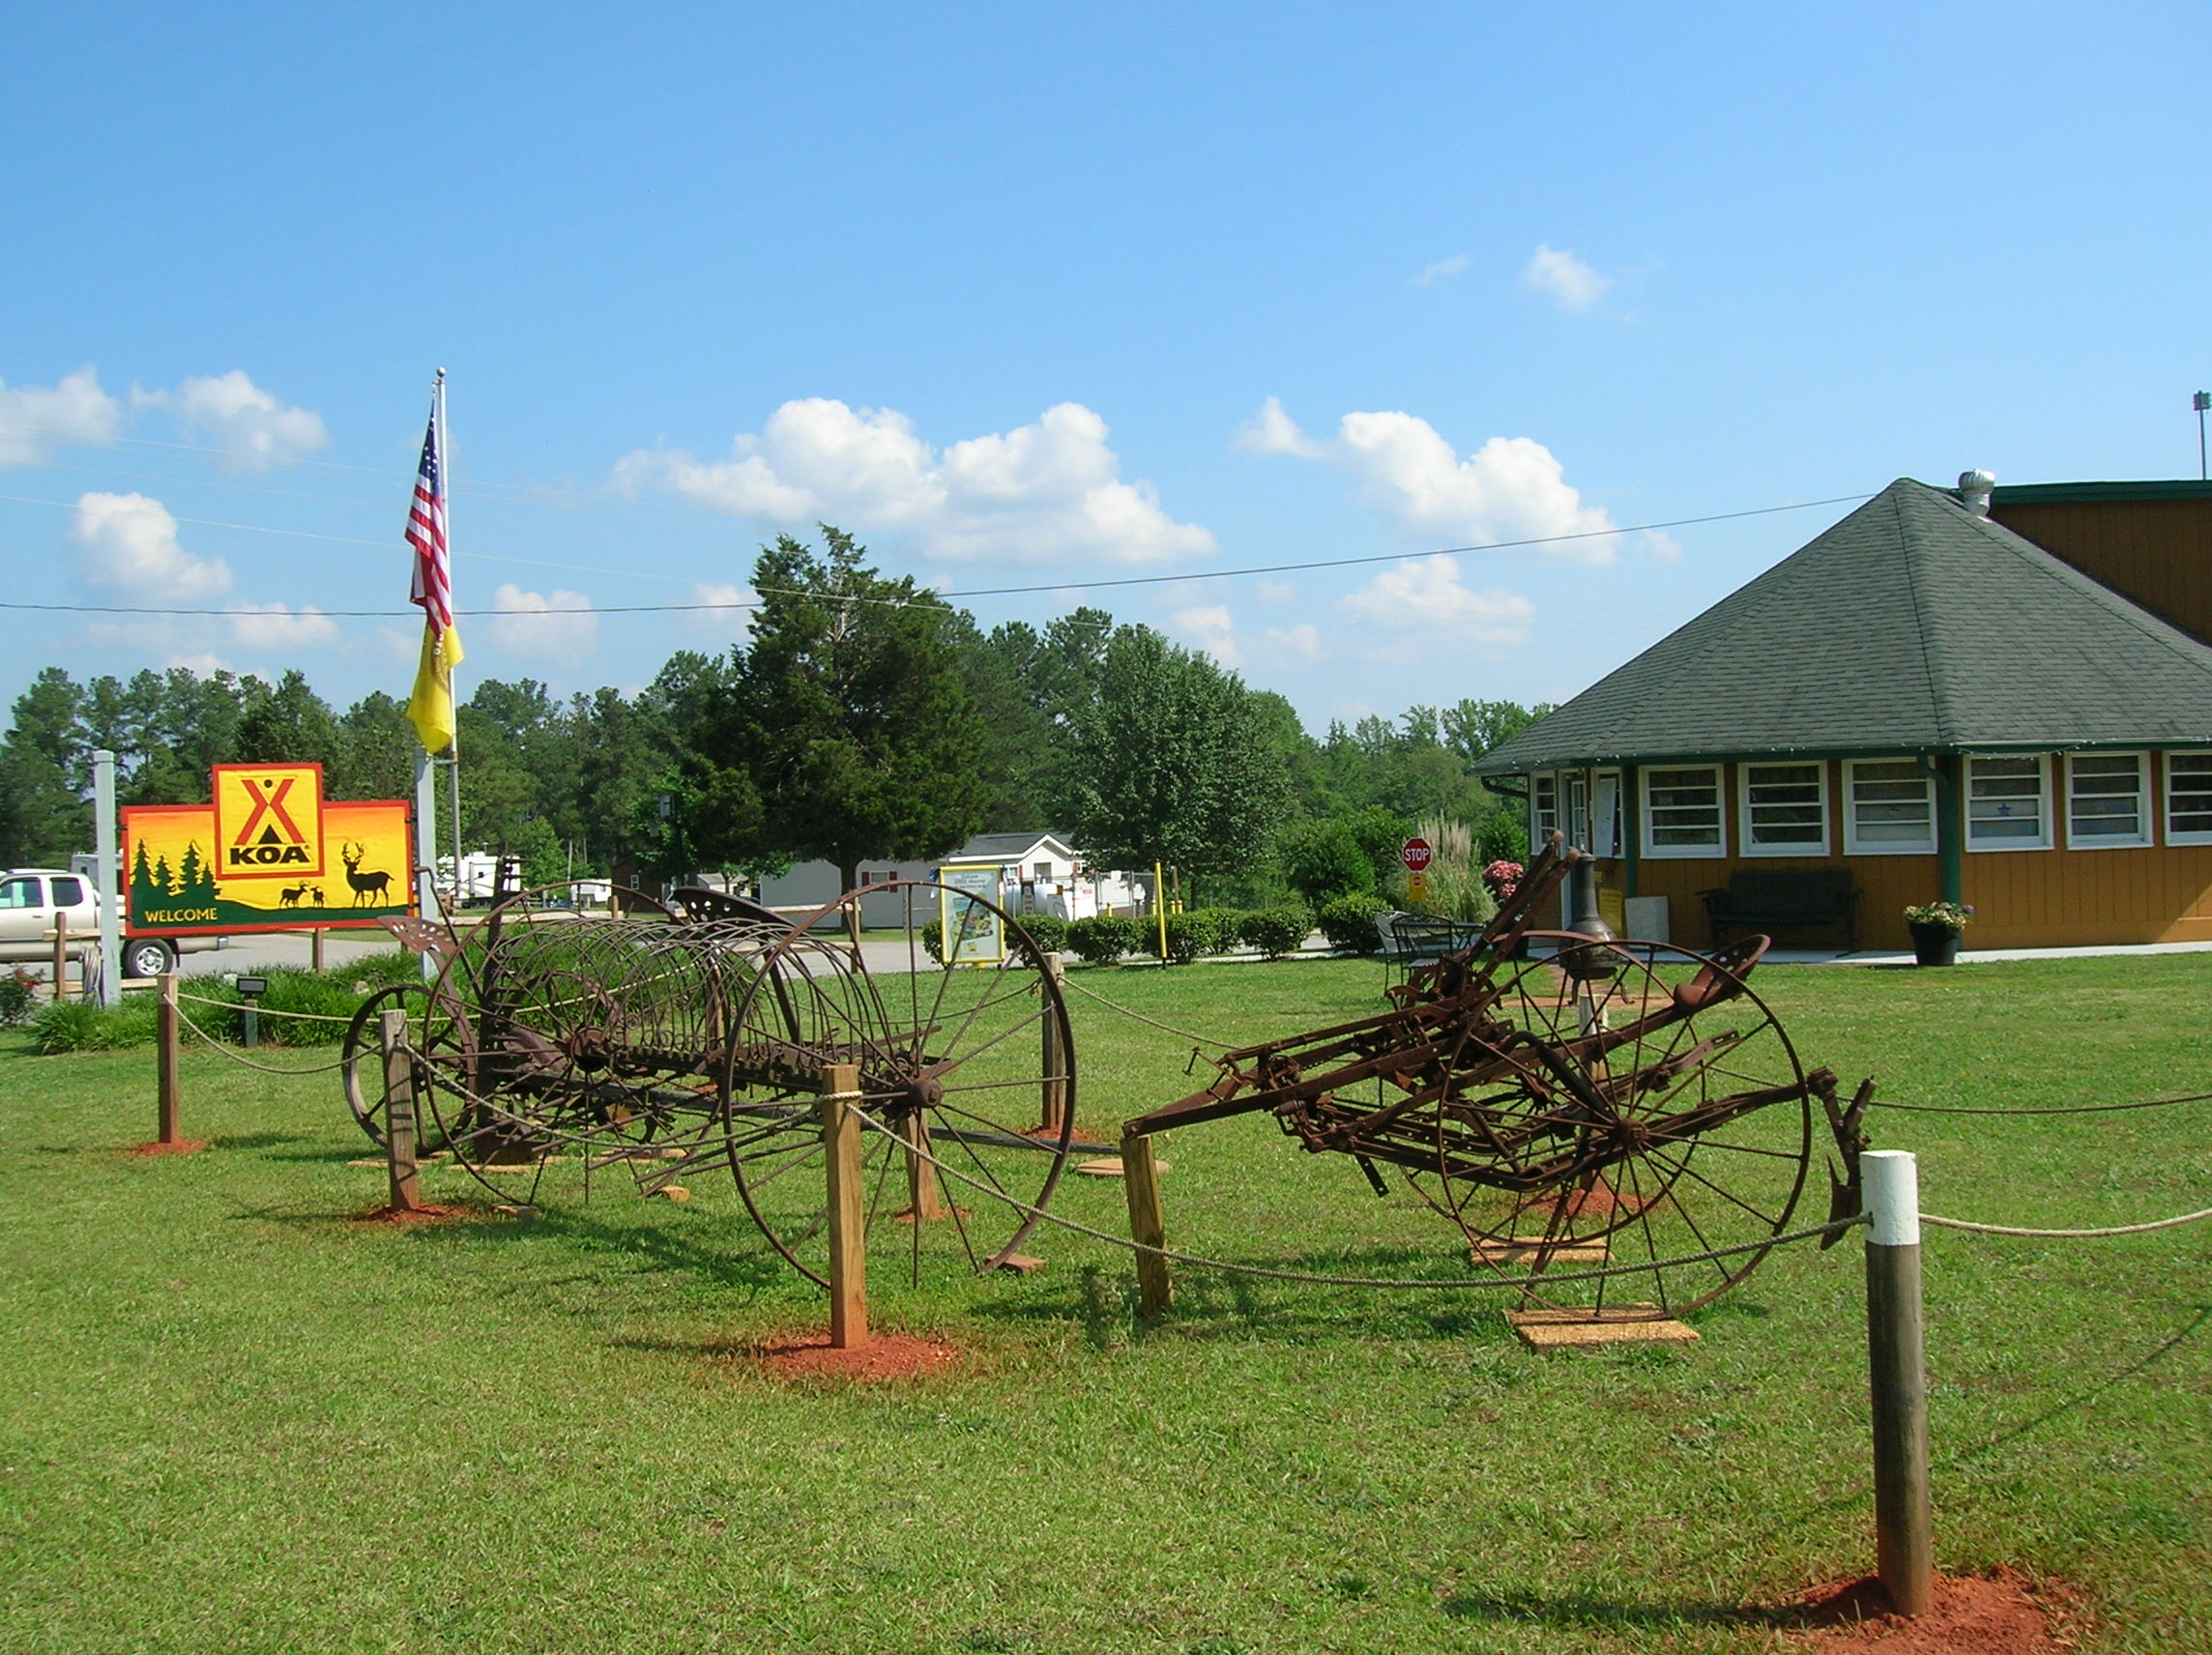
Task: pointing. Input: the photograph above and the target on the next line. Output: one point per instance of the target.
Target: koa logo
(268, 819)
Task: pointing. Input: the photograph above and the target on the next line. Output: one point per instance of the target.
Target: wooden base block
(1581, 1330)
(1021, 1264)
(1522, 1252)
(1110, 1167)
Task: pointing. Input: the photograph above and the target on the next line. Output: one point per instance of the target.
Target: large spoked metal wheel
(435, 1041)
(1643, 1106)
(969, 1065)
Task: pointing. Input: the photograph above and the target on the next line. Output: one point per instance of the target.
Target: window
(2189, 799)
(1043, 871)
(1543, 809)
(1785, 810)
(67, 892)
(1682, 812)
(1892, 811)
(2007, 805)
(20, 894)
(2106, 803)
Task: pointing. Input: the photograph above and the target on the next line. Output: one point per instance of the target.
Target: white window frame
(1750, 846)
(1853, 845)
(1717, 851)
(2041, 763)
(2183, 836)
(1540, 820)
(2142, 837)
(1574, 815)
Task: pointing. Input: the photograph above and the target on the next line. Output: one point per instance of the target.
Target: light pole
(2202, 401)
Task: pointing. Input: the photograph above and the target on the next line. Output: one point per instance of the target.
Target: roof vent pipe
(1974, 491)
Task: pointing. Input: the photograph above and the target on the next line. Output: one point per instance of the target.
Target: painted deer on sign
(364, 885)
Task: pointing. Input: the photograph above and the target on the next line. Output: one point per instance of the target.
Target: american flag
(426, 533)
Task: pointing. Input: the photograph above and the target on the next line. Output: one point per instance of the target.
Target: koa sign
(268, 853)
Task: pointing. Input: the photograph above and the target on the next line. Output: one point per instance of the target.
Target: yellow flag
(430, 707)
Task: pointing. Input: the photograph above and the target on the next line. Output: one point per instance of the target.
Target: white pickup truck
(31, 897)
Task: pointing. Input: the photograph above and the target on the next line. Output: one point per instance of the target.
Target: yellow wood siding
(2023, 899)
(2156, 552)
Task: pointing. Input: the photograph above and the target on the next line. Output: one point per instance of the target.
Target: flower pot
(1934, 945)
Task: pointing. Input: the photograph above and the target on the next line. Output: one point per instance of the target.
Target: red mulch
(183, 1147)
(1973, 1614)
(885, 1357)
(427, 1213)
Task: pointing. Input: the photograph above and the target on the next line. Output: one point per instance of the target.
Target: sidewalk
(1974, 957)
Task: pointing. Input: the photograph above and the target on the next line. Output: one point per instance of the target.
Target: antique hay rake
(1576, 1106)
(700, 1035)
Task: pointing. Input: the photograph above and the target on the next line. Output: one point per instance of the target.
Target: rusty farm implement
(696, 1038)
(1609, 1113)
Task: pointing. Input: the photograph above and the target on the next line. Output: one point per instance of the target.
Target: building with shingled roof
(1930, 701)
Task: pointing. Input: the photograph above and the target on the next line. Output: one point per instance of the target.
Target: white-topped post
(1904, 1549)
(113, 894)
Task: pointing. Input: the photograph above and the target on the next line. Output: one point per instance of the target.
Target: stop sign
(1415, 853)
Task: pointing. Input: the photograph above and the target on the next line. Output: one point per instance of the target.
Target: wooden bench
(1785, 896)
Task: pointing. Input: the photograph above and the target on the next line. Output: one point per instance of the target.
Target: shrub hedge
(1348, 924)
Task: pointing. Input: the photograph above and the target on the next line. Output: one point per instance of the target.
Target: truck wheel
(147, 957)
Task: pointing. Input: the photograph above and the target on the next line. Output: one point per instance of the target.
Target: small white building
(1040, 873)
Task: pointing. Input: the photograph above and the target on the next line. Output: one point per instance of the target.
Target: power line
(1056, 586)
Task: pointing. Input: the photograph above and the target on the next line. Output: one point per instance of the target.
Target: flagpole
(453, 748)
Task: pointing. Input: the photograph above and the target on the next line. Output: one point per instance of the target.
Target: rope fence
(2055, 1109)
(249, 1063)
(1153, 1022)
(261, 1010)
(2065, 1234)
(1268, 1273)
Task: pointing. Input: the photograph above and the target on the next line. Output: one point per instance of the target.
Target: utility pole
(2201, 402)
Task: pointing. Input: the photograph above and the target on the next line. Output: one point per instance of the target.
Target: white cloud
(1272, 431)
(1441, 270)
(532, 624)
(275, 626)
(249, 424)
(1512, 488)
(1293, 645)
(1563, 279)
(128, 543)
(35, 420)
(732, 618)
(1422, 598)
(1209, 628)
(206, 664)
(1274, 591)
(1049, 491)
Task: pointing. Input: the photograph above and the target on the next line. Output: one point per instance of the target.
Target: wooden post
(166, 1054)
(848, 1215)
(923, 1200)
(399, 1110)
(1055, 1115)
(61, 955)
(1904, 1548)
(1148, 1224)
(315, 945)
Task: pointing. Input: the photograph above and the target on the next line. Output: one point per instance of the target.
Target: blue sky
(1031, 297)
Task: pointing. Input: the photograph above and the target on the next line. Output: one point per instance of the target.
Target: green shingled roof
(1911, 625)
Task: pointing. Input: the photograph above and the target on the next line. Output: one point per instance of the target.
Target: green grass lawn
(235, 1419)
